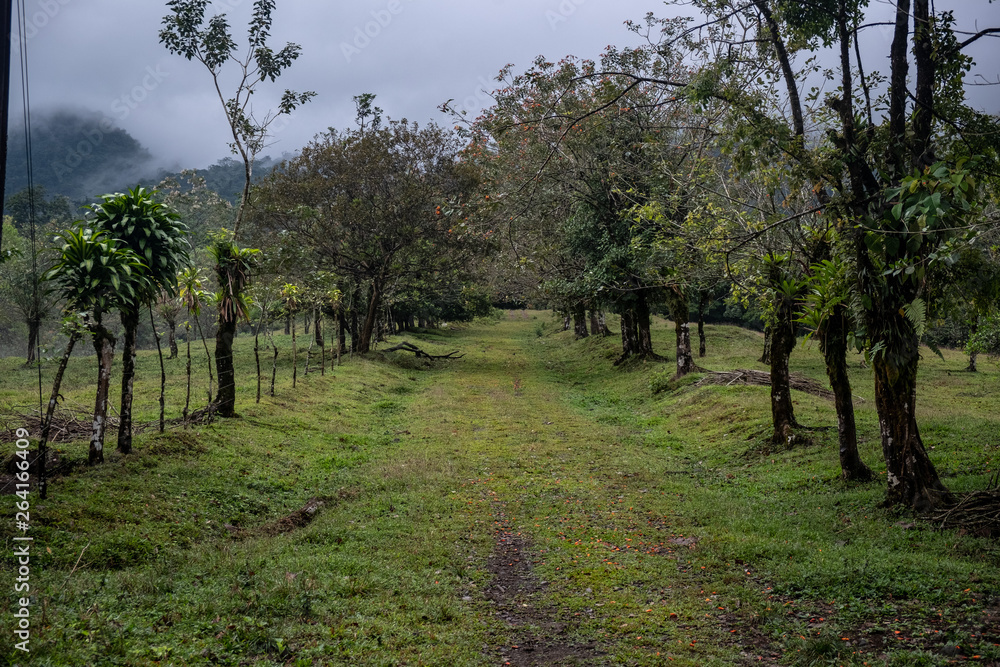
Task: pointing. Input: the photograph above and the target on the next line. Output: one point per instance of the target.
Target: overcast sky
(105, 55)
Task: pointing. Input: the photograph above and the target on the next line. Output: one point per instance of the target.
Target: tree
(290, 295)
(578, 154)
(966, 293)
(898, 190)
(96, 273)
(185, 33)
(20, 205)
(154, 232)
(169, 309)
(193, 296)
(203, 210)
(263, 295)
(374, 206)
(75, 328)
(233, 267)
(19, 284)
(829, 315)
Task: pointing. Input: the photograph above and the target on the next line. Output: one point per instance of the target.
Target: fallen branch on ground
(420, 354)
(977, 513)
(763, 379)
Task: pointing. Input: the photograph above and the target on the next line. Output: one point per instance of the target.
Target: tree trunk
(318, 326)
(172, 338)
(682, 330)
(630, 338)
(567, 320)
(305, 323)
(580, 321)
(974, 354)
(341, 333)
(765, 357)
(208, 355)
(782, 344)
(163, 370)
(295, 355)
(595, 327)
(833, 343)
(912, 479)
(34, 325)
(226, 403)
(685, 359)
(274, 365)
(355, 328)
(925, 59)
(187, 395)
(636, 338)
(256, 348)
(288, 322)
(43, 440)
(702, 304)
(602, 323)
(104, 345)
(321, 339)
(374, 302)
(309, 355)
(130, 325)
(642, 325)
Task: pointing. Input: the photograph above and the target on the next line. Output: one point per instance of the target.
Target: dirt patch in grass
(297, 519)
(300, 518)
(286, 524)
(540, 637)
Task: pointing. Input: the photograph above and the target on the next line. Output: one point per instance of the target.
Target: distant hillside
(77, 154)
(226, 176)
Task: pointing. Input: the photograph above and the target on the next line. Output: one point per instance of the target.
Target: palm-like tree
(155, 233)
(95, 272)
(192, 296)
(169, 308)
(233, 266)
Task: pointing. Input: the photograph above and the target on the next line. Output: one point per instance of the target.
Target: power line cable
(36, 306)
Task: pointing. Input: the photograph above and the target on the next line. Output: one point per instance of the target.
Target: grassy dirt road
(526, 504)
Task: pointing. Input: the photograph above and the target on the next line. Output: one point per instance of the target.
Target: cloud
(99, 54)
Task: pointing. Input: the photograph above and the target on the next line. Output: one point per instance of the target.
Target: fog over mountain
(81, 154)
(149, 109)
(76, 153)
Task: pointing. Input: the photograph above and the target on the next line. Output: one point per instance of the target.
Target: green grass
(667, 530)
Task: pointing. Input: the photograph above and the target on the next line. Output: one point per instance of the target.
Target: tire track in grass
(580, 532)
